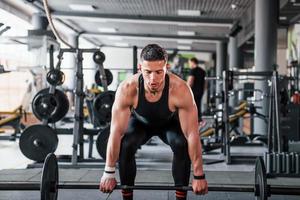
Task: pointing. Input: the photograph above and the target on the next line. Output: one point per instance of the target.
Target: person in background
(196, 80)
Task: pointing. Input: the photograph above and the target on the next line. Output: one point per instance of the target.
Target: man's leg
(133, 138)
(181, 165)
(197, 98)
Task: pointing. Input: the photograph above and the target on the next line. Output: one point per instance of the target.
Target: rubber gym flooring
(153, 177)
(148, 173)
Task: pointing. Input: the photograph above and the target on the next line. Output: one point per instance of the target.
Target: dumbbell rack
(278, 163)
(284, 164)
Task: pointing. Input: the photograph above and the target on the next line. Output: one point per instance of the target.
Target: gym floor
(154, 167)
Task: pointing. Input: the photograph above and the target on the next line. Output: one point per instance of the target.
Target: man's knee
(128, 145)
(179, 146)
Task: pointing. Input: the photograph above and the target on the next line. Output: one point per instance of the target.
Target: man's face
(153, 73)
(191, 64)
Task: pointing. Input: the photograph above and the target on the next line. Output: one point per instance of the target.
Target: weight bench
(240, 111)
(12, 119)
(207, 131)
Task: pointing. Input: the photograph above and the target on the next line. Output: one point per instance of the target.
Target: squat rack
(79, 98)
(274, 142)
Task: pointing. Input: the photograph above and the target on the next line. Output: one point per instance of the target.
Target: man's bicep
(188, 113)
(120, 111)
(188, 119)
(120, 114)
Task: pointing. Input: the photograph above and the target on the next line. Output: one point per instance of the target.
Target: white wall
(122, 58)
(282, 61)
(117, 58)
(203, 56)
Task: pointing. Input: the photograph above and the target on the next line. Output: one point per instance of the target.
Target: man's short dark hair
(153, 52)
(194, 60)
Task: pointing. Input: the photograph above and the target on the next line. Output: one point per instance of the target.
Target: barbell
(49, 185)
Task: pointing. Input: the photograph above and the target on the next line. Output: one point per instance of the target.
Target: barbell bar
(50, 184)
(35, 186)
(274, 189)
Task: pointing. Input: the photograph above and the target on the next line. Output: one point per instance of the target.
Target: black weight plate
(44, 105)
(55, 77)
(261, 187)
(49, 181)
(37, 141)
(99, 57)
(51, 107)
(63, 106)
(101, 141)
(109, 77)
(103, 106)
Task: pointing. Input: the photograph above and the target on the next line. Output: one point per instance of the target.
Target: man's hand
(107, 185)
(200, 186)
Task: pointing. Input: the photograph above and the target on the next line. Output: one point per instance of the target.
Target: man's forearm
(113, 150)
(195, 153)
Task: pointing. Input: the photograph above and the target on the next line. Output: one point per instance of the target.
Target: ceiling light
(121, 44)
(184, 47)
(144, 38)
(233, 6)
(115, 38)
(107, 30)
(189, 12)
(184, 41)
(94, 19)
(282, 18)
(82, 7)
(249, 51)
(145, 21)
(188, 24)
(187, 33)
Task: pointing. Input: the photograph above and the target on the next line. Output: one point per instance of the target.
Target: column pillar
(69, 62)
(233, 64)
(220, 66)
(266, 21)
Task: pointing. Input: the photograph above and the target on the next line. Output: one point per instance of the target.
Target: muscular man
(154, 102)
(196, 80)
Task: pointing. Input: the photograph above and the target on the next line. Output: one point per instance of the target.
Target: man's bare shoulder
(180, 92)
(129, 86)
(176, 83)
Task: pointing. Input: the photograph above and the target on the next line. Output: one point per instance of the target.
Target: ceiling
(140, 22)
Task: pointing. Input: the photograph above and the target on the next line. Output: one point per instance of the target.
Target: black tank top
(153, 113)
